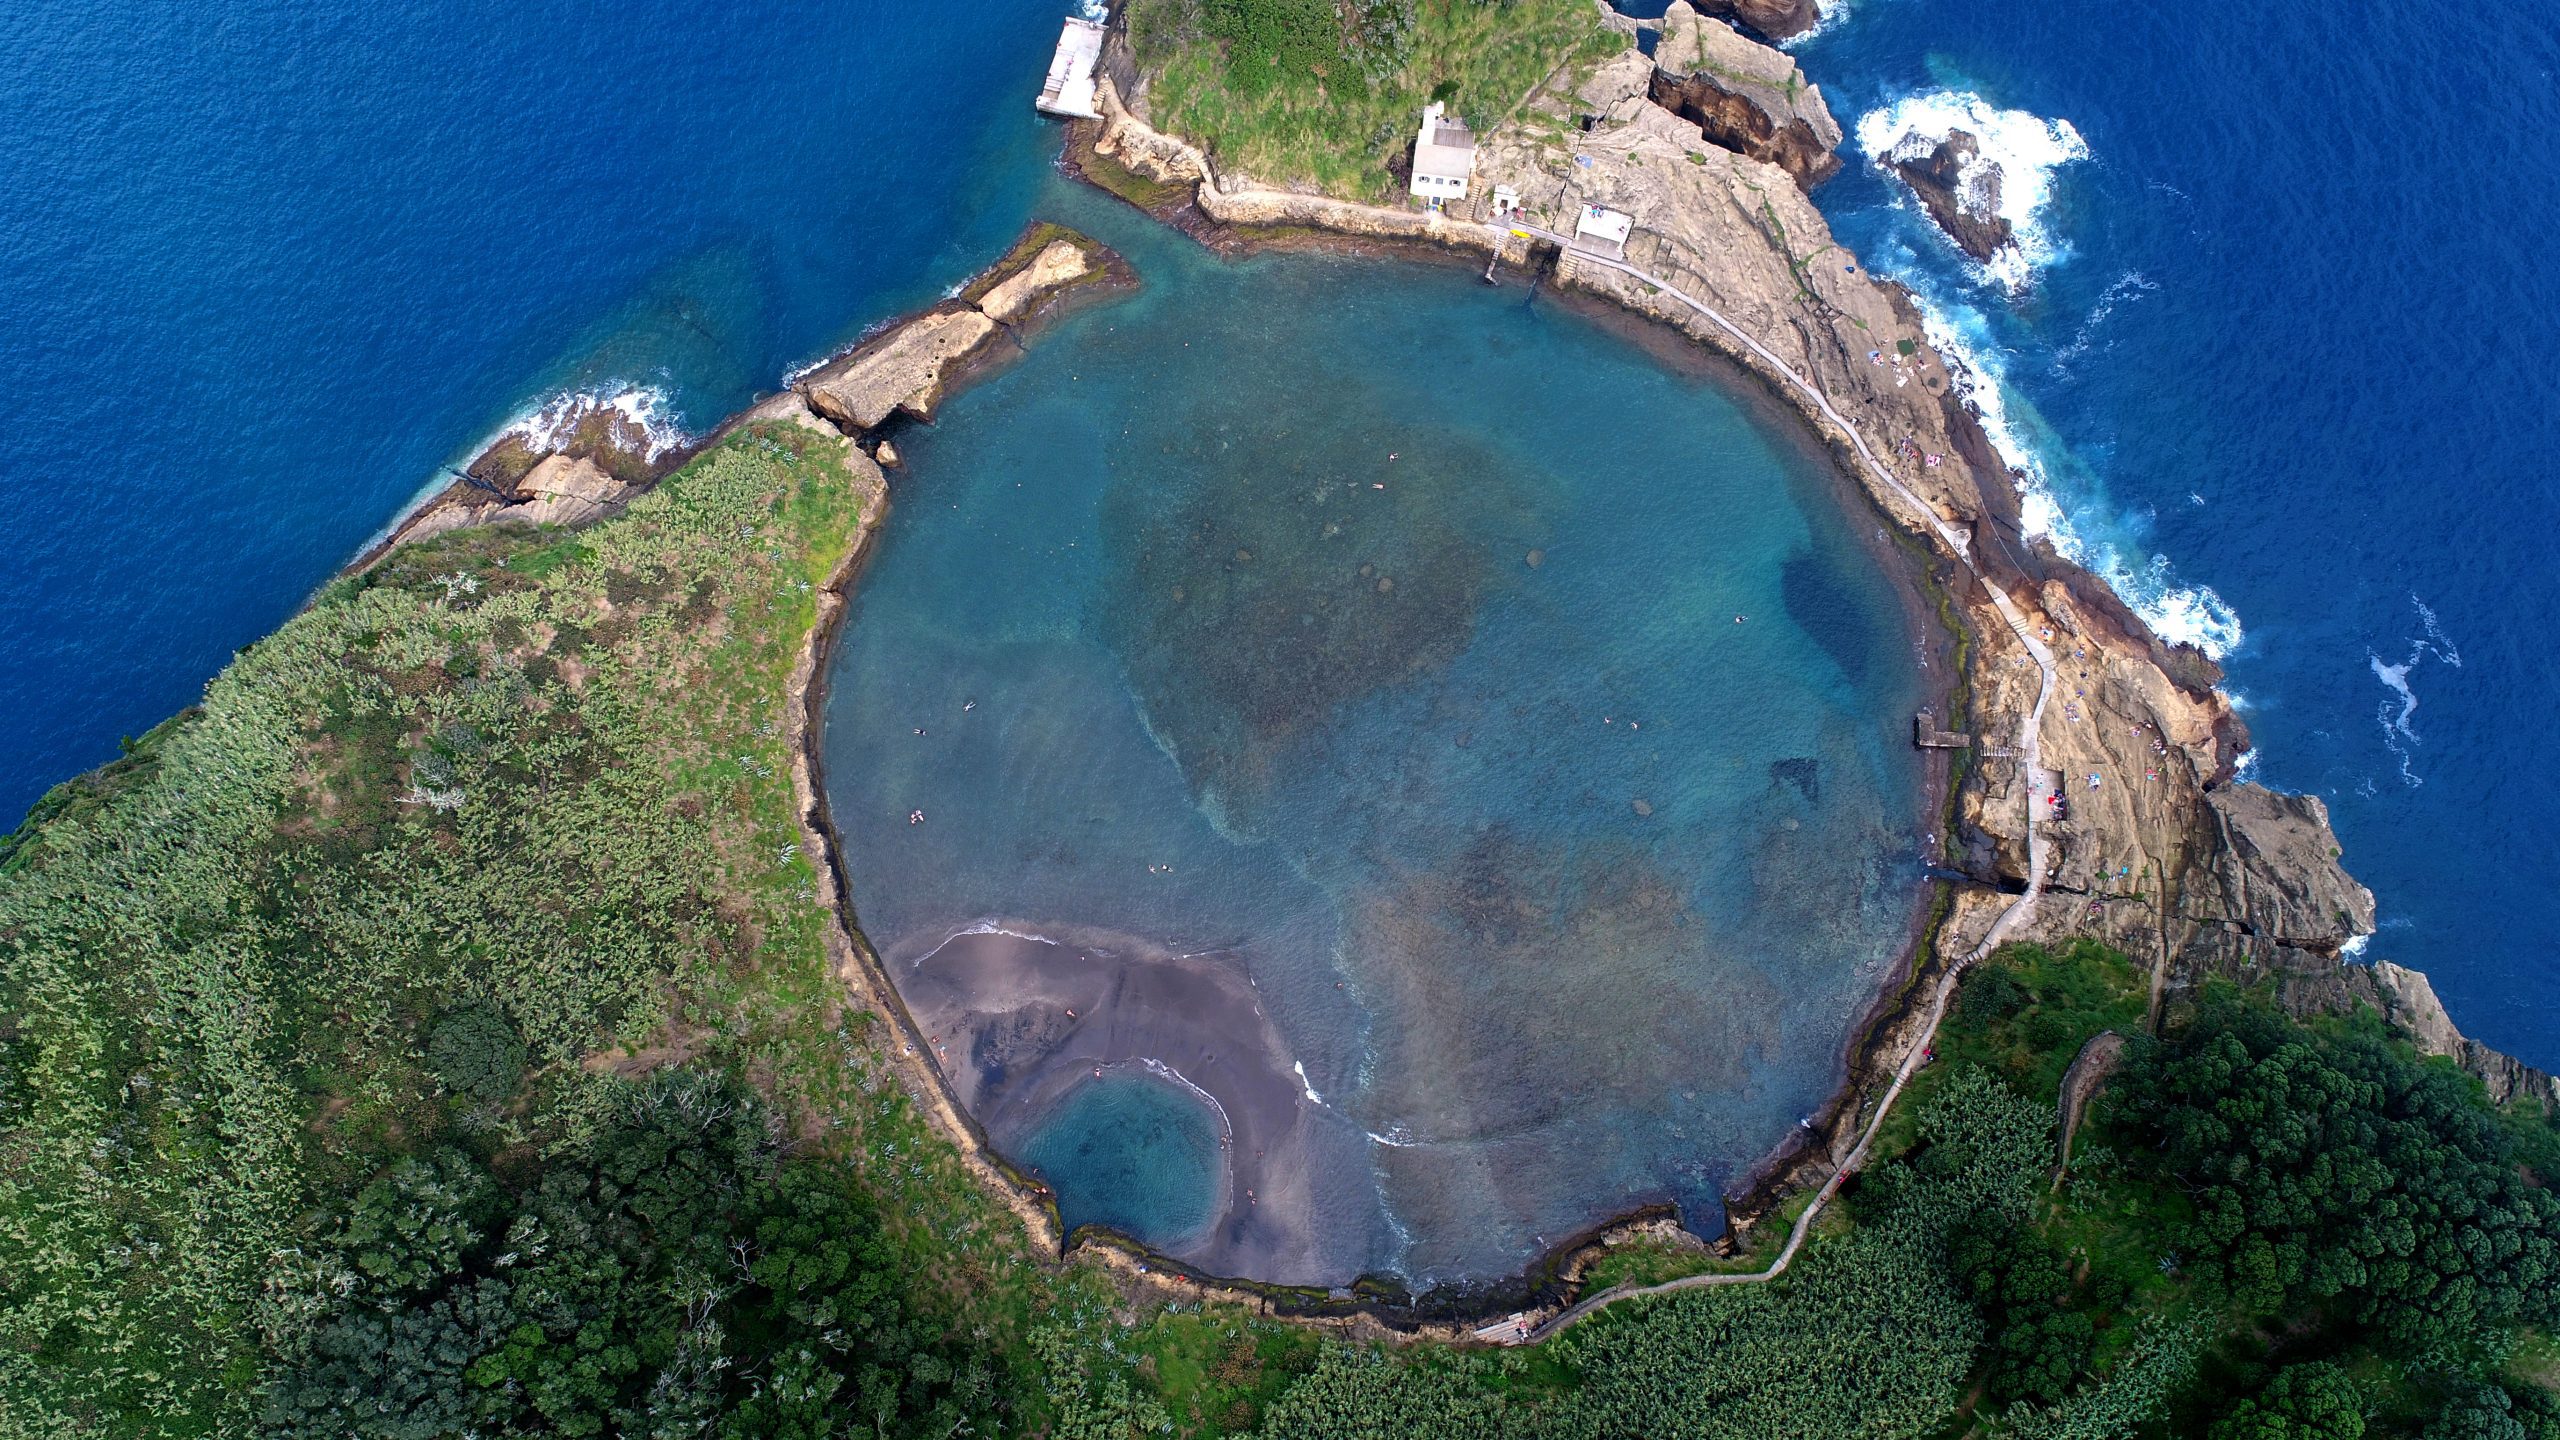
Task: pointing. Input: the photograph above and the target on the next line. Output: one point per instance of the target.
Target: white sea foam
(1397, 1138)
(1304, 1084)
(2129, 286)
(1976, 367)
(642, 408)
(545, 426)
(2018, 154)
(979, 927)
(2399, 722)
(1826, 14)
(2353, 950)
(1162, 1071)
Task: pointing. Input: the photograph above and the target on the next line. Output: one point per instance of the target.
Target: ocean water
(1529, 723)
(266, 267)
(2276, 354)
(1132, 1152)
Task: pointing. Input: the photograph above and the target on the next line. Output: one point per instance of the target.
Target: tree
(2341, 1169)
(2039, 1343)
(676, 1278)
(2311, 1401)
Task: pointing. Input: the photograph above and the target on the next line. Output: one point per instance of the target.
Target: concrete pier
(1068, 92)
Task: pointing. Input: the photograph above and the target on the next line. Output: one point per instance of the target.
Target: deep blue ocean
(264, 268)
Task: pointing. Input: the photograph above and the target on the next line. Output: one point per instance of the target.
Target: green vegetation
(346, 1025)
(1311, 90)
(2266, 1231)
(675, 1279)
(431, 1034)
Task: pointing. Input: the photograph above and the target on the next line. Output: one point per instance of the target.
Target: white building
(1603, 231)
(1444, 156)
(1069, 90)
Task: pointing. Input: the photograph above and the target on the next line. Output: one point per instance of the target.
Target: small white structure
(1603, 231)
(1444, 156)
(1506, 202)
(1068, 92)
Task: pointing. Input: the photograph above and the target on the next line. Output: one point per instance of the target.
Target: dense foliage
(673, 1279)
(2337, 1171)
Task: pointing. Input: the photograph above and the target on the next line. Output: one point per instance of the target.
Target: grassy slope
(537, 772)
(1333, 128)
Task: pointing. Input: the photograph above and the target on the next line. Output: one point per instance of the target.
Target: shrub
(475, 1053)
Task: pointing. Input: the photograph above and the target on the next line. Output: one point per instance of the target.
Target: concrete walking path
(2029, 754)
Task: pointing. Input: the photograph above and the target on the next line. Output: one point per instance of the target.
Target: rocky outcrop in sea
(1960, 190)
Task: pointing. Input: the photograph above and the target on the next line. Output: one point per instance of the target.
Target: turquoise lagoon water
(1528, 721)
(1132, 1152)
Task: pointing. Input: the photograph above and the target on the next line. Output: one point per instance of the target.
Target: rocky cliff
(1744, 97)
(2151, 843)
(1770, 19)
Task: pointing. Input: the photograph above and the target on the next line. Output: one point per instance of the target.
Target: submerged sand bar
(1018, 1021)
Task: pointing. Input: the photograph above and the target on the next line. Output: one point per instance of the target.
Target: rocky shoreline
(2156, 848)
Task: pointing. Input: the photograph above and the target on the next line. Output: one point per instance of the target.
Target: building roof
(1443, 147)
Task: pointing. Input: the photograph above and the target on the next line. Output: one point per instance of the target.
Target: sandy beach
(1018, 1014)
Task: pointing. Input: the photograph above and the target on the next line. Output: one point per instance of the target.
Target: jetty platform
(1068, 92)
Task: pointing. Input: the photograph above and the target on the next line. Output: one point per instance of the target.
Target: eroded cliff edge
(2151, 842)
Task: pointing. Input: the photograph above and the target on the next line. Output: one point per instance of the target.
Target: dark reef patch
(1824, 608)
(1303, 568)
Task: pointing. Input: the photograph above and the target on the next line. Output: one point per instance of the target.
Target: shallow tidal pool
(1473, 759)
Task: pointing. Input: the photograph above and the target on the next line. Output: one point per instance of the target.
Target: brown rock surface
(902, 370)
(1744, 96)
(1058, 263)
(1730, 119)
(1770, 19)
(568, 491)
(1961, 192)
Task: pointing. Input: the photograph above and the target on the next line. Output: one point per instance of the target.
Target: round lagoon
(1130, 1151)
(1474, 754)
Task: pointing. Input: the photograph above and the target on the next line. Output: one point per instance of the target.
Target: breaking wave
(2178, 613)
(641, 415)
(2011, 175)
(2129, 286)
(642, 412)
